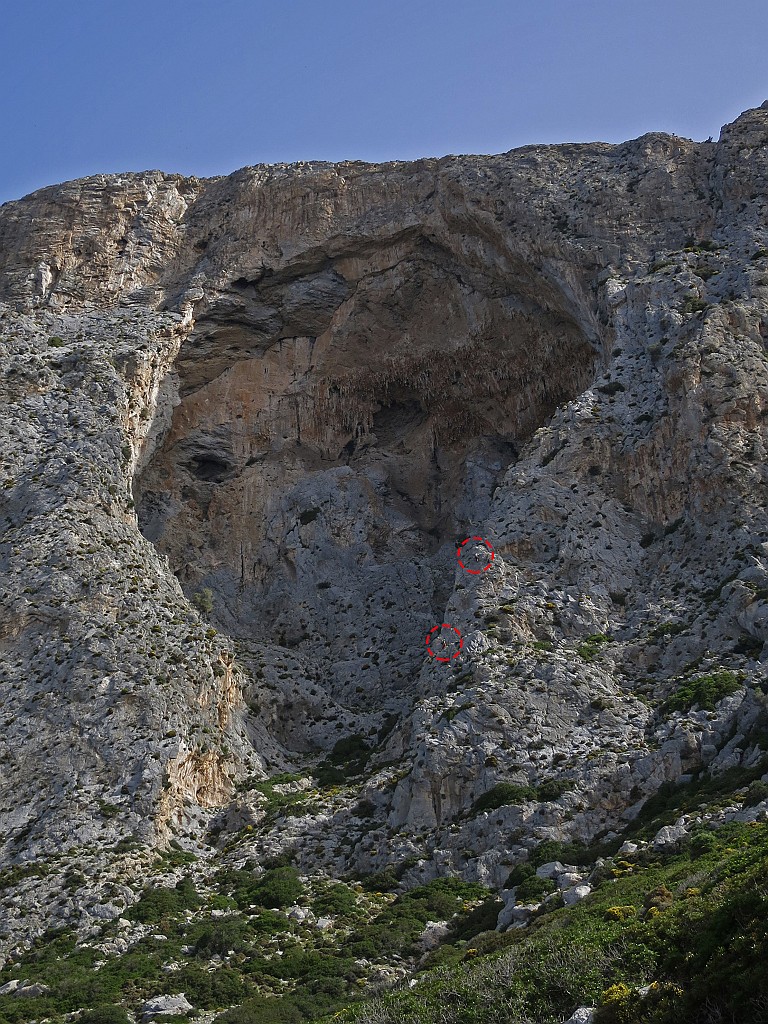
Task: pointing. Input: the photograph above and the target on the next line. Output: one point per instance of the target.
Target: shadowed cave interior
(338, 430)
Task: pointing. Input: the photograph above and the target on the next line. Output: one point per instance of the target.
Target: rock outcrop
(248, 420)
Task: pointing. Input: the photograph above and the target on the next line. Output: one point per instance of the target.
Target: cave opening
(210, 468)
(316, 482)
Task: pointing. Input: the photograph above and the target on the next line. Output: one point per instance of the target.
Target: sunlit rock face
(300, 388)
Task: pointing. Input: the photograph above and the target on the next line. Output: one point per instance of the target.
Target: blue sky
(206, 86)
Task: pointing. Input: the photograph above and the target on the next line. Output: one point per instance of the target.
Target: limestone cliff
(298, 388)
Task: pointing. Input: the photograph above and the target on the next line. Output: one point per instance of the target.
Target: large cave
(339, 425)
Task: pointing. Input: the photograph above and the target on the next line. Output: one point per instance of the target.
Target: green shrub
(352, 752)
(592, 645)
(398, 925)
(533, 889)
(262, 1010)
(311, 964)
(667, 629)
(157, 903)
(175, 857)
(702, 692)
(442, 897)
(269, 922)
(11, 876)
(491, 941)
(210, 990)
(223, 934)
(19, 1011)
(552, 789)
(111, 1013)
(706, 272)
(337, 899)
(284, 859)
(279, 887)
(295, 801)
(327, 775)
(203, 600)
(350, 748)
(518, 874)
(701, 843)
(481, 919)
(569, 853)
(381, 881)
(56, 342)
(347, 759)
(693, 304)
(756, 793)
(443, 956)
(501, 795)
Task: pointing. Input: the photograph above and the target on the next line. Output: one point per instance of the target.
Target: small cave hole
(210, 468)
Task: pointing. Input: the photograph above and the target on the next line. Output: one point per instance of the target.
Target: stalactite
(495, 362)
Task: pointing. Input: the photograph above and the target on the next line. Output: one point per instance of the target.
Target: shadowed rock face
(318, 486)
(299, 387)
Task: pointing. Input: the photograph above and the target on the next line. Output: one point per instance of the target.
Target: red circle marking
(444, 625)
(485, 543)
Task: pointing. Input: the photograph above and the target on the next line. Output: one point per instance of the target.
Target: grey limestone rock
(575, 894)
(669, 835)
(582, 1015)
(30, 991)
(161, 1005)
(251, 424)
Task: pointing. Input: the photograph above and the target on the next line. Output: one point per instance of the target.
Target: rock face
(247, 422)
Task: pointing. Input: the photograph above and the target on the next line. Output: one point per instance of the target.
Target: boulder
(160, 1005)
(568, 879)
(669, 835)
(433, 934)
(578, 892)
(551, 869)
(583, 1015)
(32, 991)
(522, 915)
(504, 920)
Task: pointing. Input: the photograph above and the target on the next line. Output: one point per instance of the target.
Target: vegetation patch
(693, 304)
(505, 794)
(278, 802)
(155, 904)
(347, 760)
(592, 646)
(502, 795)
(665, 629)
(689, 928)
(276, 888)
(702, 692)
(687, 946)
